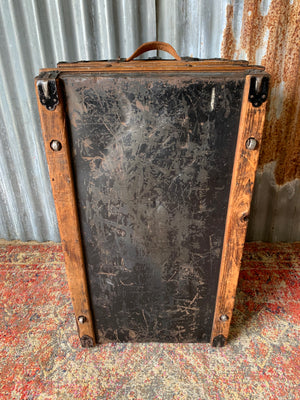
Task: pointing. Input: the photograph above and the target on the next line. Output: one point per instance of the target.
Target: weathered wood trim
(157, 66)
(215, 63)
(54, 128)
(245, 163)
(187, 67)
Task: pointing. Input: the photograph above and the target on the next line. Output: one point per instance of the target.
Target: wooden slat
(137, 69)
(157, 63)
(146, 68)
(245, 163)
(60, 170)
(157, 66)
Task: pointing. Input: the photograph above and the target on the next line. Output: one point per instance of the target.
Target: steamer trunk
(152, 186)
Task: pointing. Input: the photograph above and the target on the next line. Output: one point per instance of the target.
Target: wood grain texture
(245, 163)
(54, 128)
(217, 65)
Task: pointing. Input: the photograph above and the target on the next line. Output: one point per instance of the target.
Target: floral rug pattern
(41, 357)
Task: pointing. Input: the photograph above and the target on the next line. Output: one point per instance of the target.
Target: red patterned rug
(41, 357)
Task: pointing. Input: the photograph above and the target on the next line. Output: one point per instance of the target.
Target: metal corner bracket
(47, 89)
(86, 341)
(219, 341)
(258, 91)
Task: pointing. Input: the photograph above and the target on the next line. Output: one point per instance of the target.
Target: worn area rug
(41, 357)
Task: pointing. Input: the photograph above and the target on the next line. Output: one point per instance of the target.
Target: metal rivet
(81, 319)
(55, 145)
(224, 318)
(251, 143)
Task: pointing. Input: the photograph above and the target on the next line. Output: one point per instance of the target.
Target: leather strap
(154, 46)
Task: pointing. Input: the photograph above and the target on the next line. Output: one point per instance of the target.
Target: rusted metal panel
(264, 32)
(152, 166)
(270, 36)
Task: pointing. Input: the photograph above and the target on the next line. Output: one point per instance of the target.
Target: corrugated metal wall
(39, 33)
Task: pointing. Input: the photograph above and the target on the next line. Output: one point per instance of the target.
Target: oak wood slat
(245, 163)
(54, 128)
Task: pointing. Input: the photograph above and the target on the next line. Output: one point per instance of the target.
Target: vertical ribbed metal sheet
(36, 34)
(194, 28)
(40, 33)
(275, 209)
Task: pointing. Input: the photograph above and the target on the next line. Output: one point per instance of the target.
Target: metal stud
(224, 318)
(55, 145)
(251, 143)
(81, 319)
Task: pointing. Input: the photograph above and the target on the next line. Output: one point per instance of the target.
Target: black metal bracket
(86, 341)
(258, 92)
(219, 341)
(47, 89)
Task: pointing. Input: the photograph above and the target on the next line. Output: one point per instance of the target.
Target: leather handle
(154, 46)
